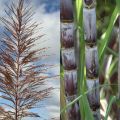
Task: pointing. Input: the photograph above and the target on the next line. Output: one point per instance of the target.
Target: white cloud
(51, 29)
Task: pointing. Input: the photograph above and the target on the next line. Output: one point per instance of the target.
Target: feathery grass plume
(91, 56)
(21, 75)
(69, 57)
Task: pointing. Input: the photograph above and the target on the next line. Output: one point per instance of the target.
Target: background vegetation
(107, 34)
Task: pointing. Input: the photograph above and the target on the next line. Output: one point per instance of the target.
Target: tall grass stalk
(68, 58)
(91, 55)
(84, 105)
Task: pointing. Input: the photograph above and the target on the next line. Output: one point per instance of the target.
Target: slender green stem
(112, 100)
(105, 40)
(112, 52)
(85, 93)
(79, 15)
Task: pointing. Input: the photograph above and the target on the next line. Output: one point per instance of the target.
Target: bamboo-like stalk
(68, 57)
(91, 56)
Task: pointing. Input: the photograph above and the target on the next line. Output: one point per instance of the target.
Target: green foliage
(118, 4)
(106, 36)
(84, 105)
(111, 12)
(112, 100)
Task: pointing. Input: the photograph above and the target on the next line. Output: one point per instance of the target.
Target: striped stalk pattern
(68, 57)
(91, 56)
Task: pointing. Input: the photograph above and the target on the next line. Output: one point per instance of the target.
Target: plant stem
(69, 58)
(16, 115)
(18, 57)
(91, 56)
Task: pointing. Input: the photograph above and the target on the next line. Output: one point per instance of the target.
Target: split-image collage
(59, 60)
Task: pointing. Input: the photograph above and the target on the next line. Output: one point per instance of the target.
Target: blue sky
(50, 5)
(47, 13)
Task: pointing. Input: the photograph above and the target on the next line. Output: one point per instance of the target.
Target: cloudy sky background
(47, 14)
